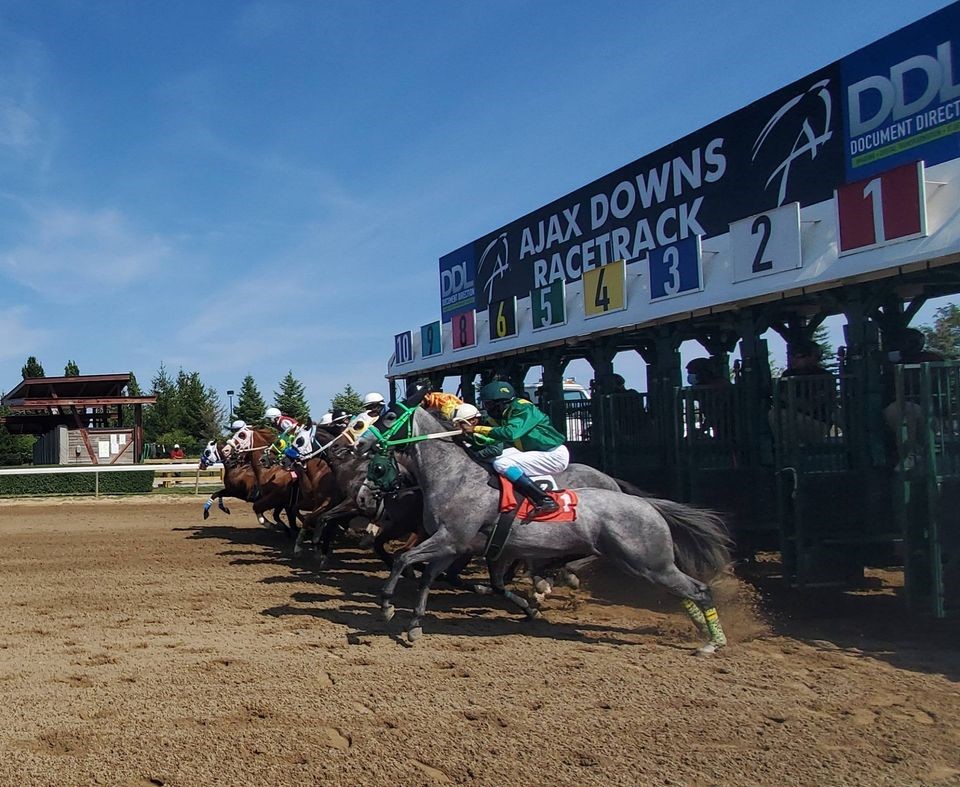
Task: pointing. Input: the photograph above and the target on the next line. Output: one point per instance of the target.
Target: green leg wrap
(717, 637)
(696, 615)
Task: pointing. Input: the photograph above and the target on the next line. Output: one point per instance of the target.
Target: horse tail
(701, 541)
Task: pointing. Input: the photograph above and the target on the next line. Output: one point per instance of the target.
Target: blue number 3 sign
(675, 269)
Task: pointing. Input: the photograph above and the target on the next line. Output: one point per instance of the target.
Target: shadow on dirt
(353, 581)
(871, 619)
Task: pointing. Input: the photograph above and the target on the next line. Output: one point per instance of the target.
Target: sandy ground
(140, 645)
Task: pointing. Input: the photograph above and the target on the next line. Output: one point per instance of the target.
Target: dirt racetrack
(140, 645)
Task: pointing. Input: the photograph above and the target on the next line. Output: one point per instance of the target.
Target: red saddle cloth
(566, 498)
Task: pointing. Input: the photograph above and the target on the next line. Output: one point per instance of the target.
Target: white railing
(183, 467)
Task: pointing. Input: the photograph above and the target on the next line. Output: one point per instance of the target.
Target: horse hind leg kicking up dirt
(631, 532)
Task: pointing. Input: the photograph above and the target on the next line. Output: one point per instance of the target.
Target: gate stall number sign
(883, 209)
(463, 329)
(430, 339)
(604, 289)
(548, 306)
(503, 319)
(403, 347)
(675, 269)
(766, 243)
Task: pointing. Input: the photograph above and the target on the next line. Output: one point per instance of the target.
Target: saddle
(497, 532)
(566, 499)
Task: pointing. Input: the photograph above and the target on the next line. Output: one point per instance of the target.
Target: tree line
(187, 411)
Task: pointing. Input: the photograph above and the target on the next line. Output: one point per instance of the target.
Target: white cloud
(69, 253)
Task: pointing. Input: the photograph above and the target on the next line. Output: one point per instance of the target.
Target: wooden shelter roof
(84, 390)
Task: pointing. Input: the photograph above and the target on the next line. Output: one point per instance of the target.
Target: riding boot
(542, 502)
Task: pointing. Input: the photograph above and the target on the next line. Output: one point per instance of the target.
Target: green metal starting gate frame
(927, 426)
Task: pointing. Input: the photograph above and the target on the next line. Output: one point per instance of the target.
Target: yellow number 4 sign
(604, 289)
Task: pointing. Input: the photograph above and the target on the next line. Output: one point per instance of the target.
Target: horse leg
(497, 582)
(697, 600)
(452, 577)
(209, 503)
(430, 573)
(436, 547)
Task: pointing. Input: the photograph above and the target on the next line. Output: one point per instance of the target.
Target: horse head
(210, 455)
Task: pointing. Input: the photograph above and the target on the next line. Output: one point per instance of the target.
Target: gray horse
(634, 533)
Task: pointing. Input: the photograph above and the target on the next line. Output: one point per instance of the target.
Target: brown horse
(240, 477)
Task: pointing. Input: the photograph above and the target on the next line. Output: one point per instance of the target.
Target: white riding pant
(533, 462)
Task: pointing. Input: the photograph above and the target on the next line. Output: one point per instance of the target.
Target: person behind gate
(539, 448)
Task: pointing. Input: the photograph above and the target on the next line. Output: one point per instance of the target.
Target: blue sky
(252, 188)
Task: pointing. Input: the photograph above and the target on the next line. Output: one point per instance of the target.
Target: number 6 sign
(880, 210)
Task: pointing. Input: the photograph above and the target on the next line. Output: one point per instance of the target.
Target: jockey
(374, 404)
(294, 439)
(446, 403)
(484, 448)
(541, 449)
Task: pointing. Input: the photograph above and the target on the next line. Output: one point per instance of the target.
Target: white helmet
(272, 413)
(326, 419)
(372, 398)
(176, 445)
(465, 412)
(238, 424)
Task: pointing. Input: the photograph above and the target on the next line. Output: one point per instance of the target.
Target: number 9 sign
(463, 329)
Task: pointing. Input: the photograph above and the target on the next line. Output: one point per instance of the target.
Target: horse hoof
(323, 562)
(206, 514)
(263, 521)
(572, 581)
(542, 586)
(535, 614)
(540, 597)
(706, 650)
(414, 634)
(388, 611)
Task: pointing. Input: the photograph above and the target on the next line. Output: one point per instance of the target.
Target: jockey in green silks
(538, 448)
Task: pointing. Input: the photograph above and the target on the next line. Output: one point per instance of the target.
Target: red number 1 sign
(880, 210)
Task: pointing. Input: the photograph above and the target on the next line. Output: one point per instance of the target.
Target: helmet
(176, 445)
(465, 412)
(272, 413)
(497, 391)
(339, 415)
(238, 424)
(326, 419)
(372, 398)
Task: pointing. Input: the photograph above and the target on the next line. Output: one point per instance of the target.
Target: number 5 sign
(880, 210)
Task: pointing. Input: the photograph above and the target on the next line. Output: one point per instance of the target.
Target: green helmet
(497, 391)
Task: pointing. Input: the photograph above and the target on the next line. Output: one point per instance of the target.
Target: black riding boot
(542, 502)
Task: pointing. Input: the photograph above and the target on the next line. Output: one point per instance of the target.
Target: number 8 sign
(463, 329)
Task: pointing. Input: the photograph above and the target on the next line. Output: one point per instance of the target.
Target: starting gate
(927, 424)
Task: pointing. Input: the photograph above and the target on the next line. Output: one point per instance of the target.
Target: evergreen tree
(821, 336)
(291, 398)
(71, 369)
(348, 399)
(193, 406)
(250, 404)
(32, 368)
(161, 417)
(944, 336)
(15, 449)
(133, 389)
